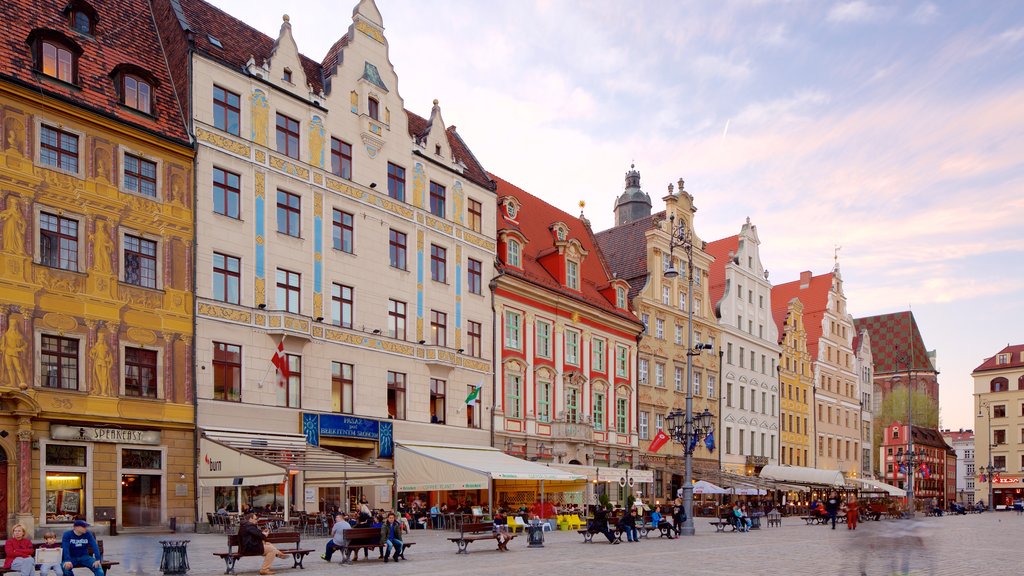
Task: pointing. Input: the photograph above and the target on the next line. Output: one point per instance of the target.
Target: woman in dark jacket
(251, 540)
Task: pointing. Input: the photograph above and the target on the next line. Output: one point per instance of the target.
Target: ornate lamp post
(989, 472)
(683, 427)
(909, 458)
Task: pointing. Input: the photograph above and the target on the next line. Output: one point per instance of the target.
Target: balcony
(574, 431)
(283, 323)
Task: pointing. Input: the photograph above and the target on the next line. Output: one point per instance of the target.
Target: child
(49, 560)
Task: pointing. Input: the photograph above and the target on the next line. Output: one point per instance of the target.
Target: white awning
(457, 467)
(876, 486)
(705, 487)
(224, 466)
(803, 475)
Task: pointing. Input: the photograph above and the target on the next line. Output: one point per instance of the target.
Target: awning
(267, 459)
(803, 475)
(607, 474)
(876, 486)
(458, 467)
(705, 487)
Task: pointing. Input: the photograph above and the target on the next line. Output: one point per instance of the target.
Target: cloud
(855, 11)
(925, 13)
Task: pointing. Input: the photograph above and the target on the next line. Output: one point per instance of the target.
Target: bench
(106, 564)
(279, 539)
(368, 539)
(473, 531)
(665, 530)
(722, 523)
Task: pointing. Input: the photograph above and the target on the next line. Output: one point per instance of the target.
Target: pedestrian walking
(852, 512)
(832, 508)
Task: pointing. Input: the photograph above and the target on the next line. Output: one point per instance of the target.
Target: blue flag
(709, 441)
(903, 468)
(693, 443)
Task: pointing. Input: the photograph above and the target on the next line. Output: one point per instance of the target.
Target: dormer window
(572, 274)
(437, 149)
(55, 54)
(373, 108)
(137, 93)
(620, 298)
(513, 254)
(287, 76)
(81, 22)
(81, 16)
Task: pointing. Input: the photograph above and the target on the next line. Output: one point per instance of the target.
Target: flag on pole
(280, 362)
(659, 440)
(903, 468)
(693, 443)
(709, 441)
(925, 471)
(474, 394)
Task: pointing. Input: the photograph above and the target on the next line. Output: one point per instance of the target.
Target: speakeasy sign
(116, 435)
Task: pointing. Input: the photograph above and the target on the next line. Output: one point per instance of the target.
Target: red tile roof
(124, 33)
(1016, 353)
(534, 220)
(959, 435)
(814, 297)
(720, 250)
(893, 335)
(239, 42)
(625, 249)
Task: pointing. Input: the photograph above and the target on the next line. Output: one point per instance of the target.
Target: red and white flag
(659, 440)
(280, 362)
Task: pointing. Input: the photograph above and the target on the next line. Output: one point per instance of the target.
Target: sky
(893, 131)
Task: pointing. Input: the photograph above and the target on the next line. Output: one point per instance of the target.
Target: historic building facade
(95, 271)
(866, 386)
(638, 252)
(749, 394)
(566, 382)
(796, 383)
(934, 470)
(339, 232)
(836, 393)
(999, 426)
(962, 442)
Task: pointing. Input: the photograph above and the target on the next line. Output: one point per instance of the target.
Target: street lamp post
(990, 470)
(683, 427)
(910, 458)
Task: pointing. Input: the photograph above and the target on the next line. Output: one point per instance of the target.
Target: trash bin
(175, 557)
(535, 534)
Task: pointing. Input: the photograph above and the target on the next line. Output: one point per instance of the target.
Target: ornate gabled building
(866, 385)
(796, 383)
(566, 383)
(741, 299)
(340, 233)
(836, 393)
(96, 271)
(637, 251)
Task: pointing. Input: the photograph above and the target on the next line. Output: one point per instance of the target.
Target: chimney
(805, 279)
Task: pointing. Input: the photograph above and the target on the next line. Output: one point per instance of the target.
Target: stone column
(24, 493)
(169, 363)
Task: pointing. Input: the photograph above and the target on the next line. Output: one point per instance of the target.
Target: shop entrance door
(140, 500)
(3, 494)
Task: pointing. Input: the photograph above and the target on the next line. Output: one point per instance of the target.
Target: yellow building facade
(796, 382)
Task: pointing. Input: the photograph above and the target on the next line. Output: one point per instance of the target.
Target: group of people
(832, 506)
(627, 523)
(76, 549)
(390, 527)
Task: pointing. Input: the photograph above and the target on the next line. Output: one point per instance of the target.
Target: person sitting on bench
(391, 535)
(599, 525)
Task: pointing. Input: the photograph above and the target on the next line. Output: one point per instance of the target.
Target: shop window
(66, 482)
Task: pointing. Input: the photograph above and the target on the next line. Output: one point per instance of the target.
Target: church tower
(634, 203)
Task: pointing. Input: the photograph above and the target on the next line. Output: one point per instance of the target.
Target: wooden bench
(106, 564)
(368, 539)
(473, 531)
(722, 523)
(665, 530)
(279, 539)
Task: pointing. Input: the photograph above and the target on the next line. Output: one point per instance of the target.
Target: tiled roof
(814, 297)
(893, 335)
(959, 435)
(239, 41)
(534, 220)
(625, 249)
(780, 310)
(1016, 359)
(124, 34)
(720, 250)
(922, 437)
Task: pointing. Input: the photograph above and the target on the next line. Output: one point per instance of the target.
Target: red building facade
(934, 473)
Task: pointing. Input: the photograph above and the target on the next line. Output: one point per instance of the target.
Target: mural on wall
(316, 142)
(260, 117)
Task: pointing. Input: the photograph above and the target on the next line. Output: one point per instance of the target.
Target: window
(341, 305)
(512, 253)
(58, 148)
(572, 404)
(438, 264)
(286, 75)
(999, 385)
(437, 407)
(342, 387)
(645, 319)
(679, 334)
(81, 22)
(373, 108)
(226, 278)
(999, 436)
(476, 275)
(396, 395)
(666, 295)
(396, 251)
(711, 386)
(439, 327)
(343, 231)
(679, 379)
(999, 411)
(659, 328)
(140, 373)
(728, 440)
(227, 372)
(743, 402)
(137, 93)
(58, 362)
(226, 193)
(475, 216)
(513, 330)
(621, 361)
(728, 394)
(659, 375)
(597, 355)
(437, 199)
(287, 136)
(290, 394)
(396, 319)
(514, 396)
(474, 331)
(289, 291)
(543, 401)
(542, 336)
(999, 462)
(643, 424)
(289, 210)
(572, 347)
(621, 415)
(139, 176)
(226, 110)
(139, 261)
(58, 241)
(341, 158)
(620, 298)
(57, 61)
(598, 411)
(696, 386)
(642, 369)
(572, 275)
(396, 182)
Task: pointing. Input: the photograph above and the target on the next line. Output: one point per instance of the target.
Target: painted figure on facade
(13, 226)
(101, 363)
(14, 139)
(102, 248)
(260, 117)
(14, 347)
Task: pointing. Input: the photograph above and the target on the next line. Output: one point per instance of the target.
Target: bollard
(175, 556)
(535, 534)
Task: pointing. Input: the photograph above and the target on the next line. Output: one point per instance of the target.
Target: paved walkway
(958, 545)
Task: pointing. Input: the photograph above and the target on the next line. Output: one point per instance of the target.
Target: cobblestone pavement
(957, 545)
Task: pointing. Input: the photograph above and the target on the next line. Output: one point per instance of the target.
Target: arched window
(999, 384)
(135, 87)
(55, 55)
(81, 16)
(1020, 383)
(513, 257)
(80, 22)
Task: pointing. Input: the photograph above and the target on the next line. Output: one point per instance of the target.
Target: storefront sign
(115, 435)
(1005, 480)
(338, 426)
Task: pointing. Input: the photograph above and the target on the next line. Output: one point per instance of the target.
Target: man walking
(338, 540)
(391, 535)
(832, 507)
(80, 550)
